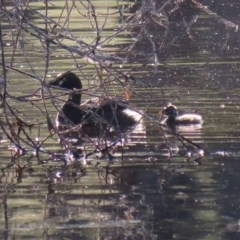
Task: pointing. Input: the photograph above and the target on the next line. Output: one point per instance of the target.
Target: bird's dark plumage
(104, 113)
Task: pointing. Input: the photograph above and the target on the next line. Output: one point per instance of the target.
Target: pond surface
(158, 185)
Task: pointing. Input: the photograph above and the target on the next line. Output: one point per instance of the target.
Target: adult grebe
(95, 113)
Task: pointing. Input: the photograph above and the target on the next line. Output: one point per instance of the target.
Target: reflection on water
(157, 185)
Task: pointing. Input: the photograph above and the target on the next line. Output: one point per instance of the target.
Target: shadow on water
(158, 185)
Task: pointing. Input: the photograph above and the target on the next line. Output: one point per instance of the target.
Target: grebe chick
(94, 113)
(173, 118)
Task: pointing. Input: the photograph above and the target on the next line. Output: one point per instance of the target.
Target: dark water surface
(156, 187)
